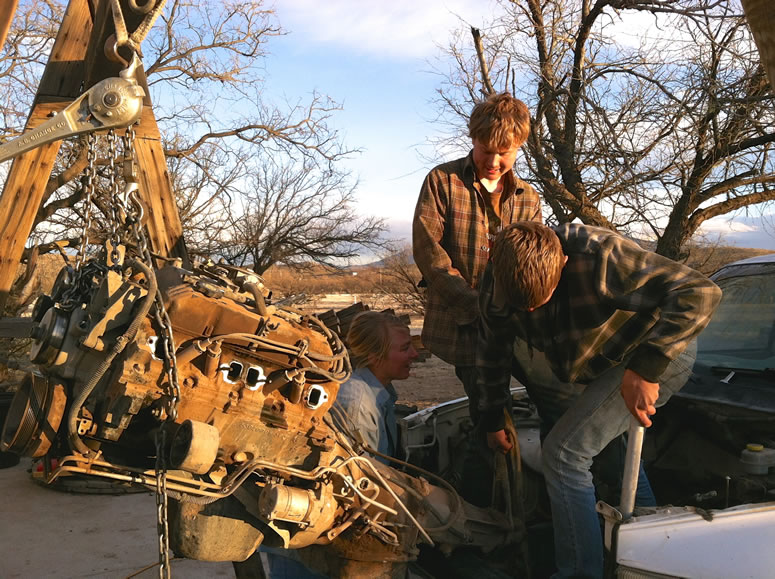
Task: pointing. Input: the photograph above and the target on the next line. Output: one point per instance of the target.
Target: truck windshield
(741, 334)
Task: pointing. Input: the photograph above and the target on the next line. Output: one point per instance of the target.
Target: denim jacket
(371, 407)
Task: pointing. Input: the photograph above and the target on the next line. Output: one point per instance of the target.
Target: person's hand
(639, 395)
(499, 441)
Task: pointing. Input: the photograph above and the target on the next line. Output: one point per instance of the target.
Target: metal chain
(72, 294)
(125, 223)
(115, 201)
(162, 521)
(166, 338)
(134, 213)
(133, 210)
(90, 177)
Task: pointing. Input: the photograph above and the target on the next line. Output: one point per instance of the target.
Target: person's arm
(494, 352)
(639, 280)
(431, 258)
(642, 281)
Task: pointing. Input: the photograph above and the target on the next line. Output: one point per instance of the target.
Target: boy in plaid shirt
(462, 206)
(595, 314)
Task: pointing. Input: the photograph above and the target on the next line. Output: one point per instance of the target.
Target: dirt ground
(431, 381)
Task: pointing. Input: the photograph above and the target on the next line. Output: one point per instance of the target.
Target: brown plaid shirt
(451, 249)
(614, 300)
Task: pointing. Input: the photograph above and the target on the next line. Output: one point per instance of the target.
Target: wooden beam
(163, 220)
(29, 173)
(6, 17)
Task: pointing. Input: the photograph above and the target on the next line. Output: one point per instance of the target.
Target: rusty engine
(192, 383)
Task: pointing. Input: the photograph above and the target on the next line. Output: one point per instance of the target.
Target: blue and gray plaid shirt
(614, 300)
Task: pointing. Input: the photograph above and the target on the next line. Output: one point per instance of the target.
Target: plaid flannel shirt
(614, 300)
(449, 235)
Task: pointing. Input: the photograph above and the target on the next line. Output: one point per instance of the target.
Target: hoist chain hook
(142, 7)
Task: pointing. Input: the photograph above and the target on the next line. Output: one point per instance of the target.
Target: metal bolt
(111, 99)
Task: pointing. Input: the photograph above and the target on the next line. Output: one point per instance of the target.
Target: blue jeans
(596, 415)
(553, 398)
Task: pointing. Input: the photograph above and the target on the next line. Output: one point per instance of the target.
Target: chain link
(133, 210)
(71, 295)
(166, 338)
(90, 176)
(162, 521)
(116, 202)
(134, 213)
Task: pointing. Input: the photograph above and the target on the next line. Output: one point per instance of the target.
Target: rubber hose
(72, 420)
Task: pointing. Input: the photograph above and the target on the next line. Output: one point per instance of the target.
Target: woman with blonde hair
(381, 351)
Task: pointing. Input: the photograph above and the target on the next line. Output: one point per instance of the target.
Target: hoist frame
(77, 62)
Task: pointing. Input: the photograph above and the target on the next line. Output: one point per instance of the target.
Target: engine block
(238, 415)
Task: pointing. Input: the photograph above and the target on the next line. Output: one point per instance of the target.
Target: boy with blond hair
(593, 313)
(462, 206)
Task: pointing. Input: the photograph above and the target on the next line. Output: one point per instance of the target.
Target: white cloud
(742, 230)
(725, 226)
(396, 29)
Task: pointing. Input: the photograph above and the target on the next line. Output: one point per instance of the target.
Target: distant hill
(706, 259)
(709, 259)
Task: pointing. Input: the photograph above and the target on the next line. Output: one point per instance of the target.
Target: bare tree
(22, 58)
(654, 136)
(399, 279)
(295, 213)
(204, 64)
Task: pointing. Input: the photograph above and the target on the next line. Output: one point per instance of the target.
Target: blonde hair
(368, 338)
(500, 121)
(527, 260)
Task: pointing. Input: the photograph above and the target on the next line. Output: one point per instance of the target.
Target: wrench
(111, 103)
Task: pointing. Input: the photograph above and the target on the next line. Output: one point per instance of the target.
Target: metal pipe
(258, 297)
(631, 467)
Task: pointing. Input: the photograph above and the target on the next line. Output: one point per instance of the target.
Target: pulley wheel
(34, 417)
(49, 335)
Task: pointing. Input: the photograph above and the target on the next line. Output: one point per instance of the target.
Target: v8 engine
(193, 383)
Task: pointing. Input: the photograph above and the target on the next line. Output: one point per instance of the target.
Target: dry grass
(335, 290)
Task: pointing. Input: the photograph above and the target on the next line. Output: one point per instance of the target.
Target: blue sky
(376, 59)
